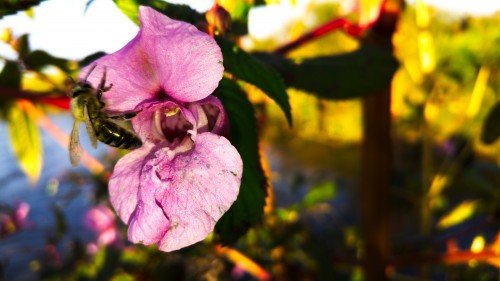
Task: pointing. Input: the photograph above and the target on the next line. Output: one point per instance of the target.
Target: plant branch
(243, 262)
(457, 257)
(57, 98)
(338, 23)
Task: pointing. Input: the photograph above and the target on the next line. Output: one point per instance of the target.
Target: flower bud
(218, 19)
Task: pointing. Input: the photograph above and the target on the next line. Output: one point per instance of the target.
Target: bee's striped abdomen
(114, 135)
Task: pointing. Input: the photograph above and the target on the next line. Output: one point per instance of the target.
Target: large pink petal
(133, 77)
(125, 181)
(166, 58)
(197, 188)
(188, 62)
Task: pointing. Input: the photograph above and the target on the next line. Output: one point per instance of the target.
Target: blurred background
(444, 195)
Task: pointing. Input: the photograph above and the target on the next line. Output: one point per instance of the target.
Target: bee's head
(80, 88)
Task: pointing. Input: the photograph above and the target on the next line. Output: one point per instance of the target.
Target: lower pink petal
(125, 181)
(197, 189)
(148, 223)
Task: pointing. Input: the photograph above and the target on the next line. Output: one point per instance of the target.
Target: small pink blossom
(15, 220)
(101, 220)
(173, 189)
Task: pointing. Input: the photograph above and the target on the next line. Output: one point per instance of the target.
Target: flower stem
(58, 99)
(338, 23)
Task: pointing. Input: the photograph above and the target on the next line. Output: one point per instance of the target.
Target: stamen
(172, 111)
(202, 121)
(157, 123)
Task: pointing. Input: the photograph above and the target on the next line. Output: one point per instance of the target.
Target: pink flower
(15, 220)
(21, 215)
(101, 220)
(173, 189)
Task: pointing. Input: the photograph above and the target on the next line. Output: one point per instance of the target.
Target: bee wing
(90, 127)
(75, 150)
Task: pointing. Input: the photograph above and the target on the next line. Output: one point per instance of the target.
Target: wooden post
(377, 159)
(376, 183)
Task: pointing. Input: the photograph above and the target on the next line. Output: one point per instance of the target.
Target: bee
(87, 107)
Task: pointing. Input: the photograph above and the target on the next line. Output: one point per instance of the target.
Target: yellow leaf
(423, 15)
(369, 11)
(6, 35)
(477, 245)
(426, 52)
(439, 182)
(33, 82)
(25, 139)
(462, 212)
(30, 13)
(478, 92)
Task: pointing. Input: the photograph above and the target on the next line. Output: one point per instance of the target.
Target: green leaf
(175, 11)
(39, 59)
(130, 8)
(248, 208)
(9, 7)
(357, 74)
(245, 67)
(491, 127)
(90, 58)
(459, 214)
(23, 46)
(11, 75)
(26, 141)
(320, 193)
(61, 224)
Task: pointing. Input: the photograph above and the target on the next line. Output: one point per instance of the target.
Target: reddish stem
(339, 23)
(56, 98)
(457, 257)
(61, 102)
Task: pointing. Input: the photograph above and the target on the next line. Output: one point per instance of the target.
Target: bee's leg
(102, 86)
(125, 116)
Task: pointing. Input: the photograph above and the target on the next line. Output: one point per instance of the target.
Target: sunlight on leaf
(6, 35)
(288, 215)
(369, 11)
(439, 182)
(247, 68)
(175, 11)
(123, 277)
(25, 139)
(459, 214)
(477, 96)
(365, 71)
(477, 245)
(320, 193)
(51, 78)
(426, 52)
(248, 208)
(130, 8)
(33, 82)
